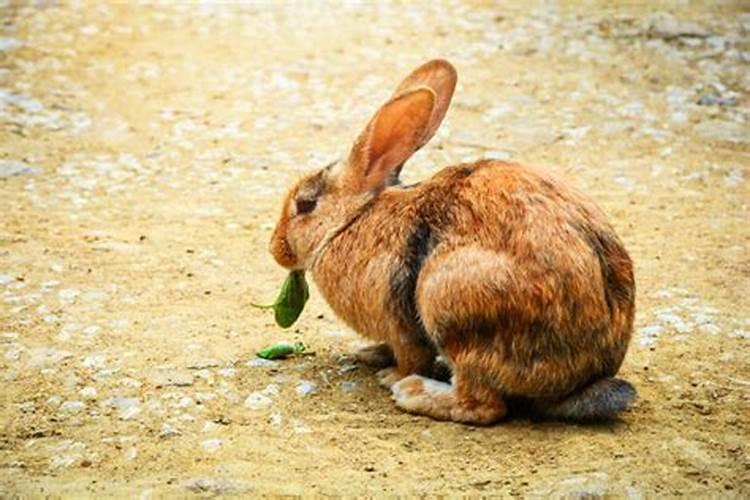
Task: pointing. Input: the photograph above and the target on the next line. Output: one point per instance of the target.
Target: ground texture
(144, 152)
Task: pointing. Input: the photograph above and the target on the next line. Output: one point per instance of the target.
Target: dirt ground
(144, 153)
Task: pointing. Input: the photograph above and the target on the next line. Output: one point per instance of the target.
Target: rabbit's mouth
(281, 250)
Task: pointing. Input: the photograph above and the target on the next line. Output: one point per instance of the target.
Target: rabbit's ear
(439, 76)
(391, 137)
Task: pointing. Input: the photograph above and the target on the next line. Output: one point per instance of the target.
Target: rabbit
(515, 279)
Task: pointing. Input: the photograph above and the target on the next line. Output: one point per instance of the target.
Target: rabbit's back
(523, 273)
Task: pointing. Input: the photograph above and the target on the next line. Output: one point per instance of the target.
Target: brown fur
(517, 279)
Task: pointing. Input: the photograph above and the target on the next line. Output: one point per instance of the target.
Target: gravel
(16, 168)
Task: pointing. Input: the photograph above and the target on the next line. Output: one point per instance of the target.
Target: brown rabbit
(517, 280)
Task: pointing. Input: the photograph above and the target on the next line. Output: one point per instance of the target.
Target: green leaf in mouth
(291, 300)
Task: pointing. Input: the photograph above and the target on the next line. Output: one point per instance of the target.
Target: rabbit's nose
(280, 248)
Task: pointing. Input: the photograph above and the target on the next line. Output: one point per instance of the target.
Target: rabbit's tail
(601, 400)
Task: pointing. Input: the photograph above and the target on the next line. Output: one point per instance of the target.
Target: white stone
(16, 168)
(734, 177)
(348, 386)
(168, 431)
(129, 413)
(211, 444)
(88, 393)
(72, 407)
(306, 388)
(7, 44)
(14, 353)
(68, 294)
(94, 361)
(300, 427)
(60, 461)
(128, 407)
(275, 419)
(91, 330)
(217, 487)
(585, 485)
(54, 400)
(185, 402)
(43, 357)
(719, 130)
(172, 377)
(89, 30)
(105, 373)
(205, 396)
(261, 363)
(257, 400)
(50, 284)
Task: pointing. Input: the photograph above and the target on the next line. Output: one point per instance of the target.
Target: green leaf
(281, 350)
(291, 300)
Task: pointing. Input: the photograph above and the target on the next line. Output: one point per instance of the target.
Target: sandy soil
(144, 152)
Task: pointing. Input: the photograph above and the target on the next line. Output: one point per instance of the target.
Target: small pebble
(72, 407)
(88, 393)
(217, 487)
(16, 168)
(306, 388)
(178, 378)
(209, 426)
(261, 363)
(94, 361)
(258, 400)
(348, 386)
(128, 407)
(42, 357)
(7, 44)
(185, 402)
(211, 444)
(54, 400)
(168, 431)
(68, 294)
(300, 427)
(275, 419)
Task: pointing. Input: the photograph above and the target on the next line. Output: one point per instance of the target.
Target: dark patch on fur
(393, 178)
(403, 282)
(466, 171)
(606, 249)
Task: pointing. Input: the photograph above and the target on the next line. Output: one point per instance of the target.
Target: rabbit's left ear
(392, 136)
(439, 76)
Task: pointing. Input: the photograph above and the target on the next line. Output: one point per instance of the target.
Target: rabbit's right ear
(392, 136)
(439, 76)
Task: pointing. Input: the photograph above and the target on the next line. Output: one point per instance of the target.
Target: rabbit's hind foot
(425, 396)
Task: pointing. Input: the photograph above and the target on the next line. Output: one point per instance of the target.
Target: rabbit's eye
(306, 206)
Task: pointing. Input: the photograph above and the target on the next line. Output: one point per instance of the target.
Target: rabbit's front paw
(424, 396)
(388, 376)
(378, 355)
